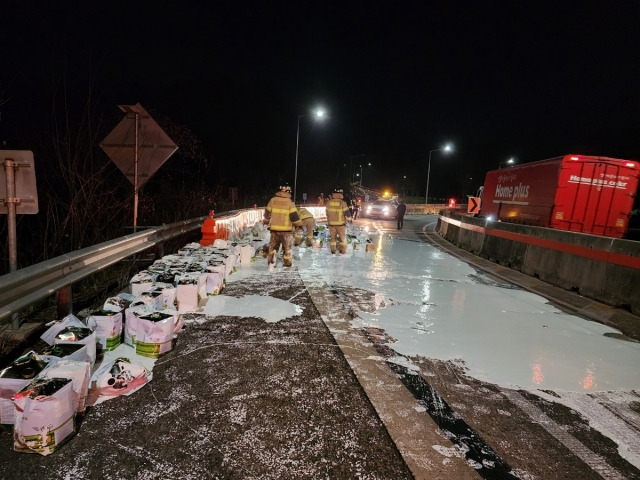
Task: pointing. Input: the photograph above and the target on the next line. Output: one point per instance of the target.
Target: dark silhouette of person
(400, 211)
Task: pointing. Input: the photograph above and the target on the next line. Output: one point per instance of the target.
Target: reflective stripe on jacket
(282, 213)
(337, 210)
(304, 213)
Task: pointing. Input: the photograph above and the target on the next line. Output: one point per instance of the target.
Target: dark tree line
(84, 199)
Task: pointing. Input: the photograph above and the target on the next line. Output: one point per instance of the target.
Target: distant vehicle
(381, 209)
(575, 192)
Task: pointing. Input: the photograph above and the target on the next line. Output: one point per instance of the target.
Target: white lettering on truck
(598, 182)
(521, 191)
(503, 192)
(511, 193)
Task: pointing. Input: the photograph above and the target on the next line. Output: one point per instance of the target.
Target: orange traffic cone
(209, 230)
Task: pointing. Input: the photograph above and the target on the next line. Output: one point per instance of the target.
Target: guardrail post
(65, 303)
(159, 250)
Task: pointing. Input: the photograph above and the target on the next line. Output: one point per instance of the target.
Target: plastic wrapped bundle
(78, 372)
(118, 303)
(15, 377)
(141, 282)
(68, 351)
(79, 335)
(107, 326)
(45, 415)
(154, 334)
(131, 316)
(116, 378)
(187, 294)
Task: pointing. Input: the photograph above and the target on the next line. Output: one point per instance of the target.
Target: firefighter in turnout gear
(281, 216)
(337, 215)
(308, 224)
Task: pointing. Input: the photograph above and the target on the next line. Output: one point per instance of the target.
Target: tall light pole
(368, 165)
(351, 172)
(319, 114)
(446, 148)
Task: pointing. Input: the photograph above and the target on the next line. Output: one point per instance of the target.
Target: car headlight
(385, 210)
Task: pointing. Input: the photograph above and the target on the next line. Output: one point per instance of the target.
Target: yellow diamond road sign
(154, 145)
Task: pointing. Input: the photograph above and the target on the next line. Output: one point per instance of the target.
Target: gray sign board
(154, 145)
(24, 176)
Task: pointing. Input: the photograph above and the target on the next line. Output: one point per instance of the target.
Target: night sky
(497, 79)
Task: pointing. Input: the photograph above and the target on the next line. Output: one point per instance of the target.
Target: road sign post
(18, 195)
(138, 147)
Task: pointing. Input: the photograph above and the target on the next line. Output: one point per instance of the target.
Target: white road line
(595, 461)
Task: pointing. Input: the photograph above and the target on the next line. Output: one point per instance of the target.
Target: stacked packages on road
(575, 192)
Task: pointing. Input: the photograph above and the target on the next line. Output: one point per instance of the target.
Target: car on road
(385, 209)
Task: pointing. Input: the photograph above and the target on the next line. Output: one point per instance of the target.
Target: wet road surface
(524, 427)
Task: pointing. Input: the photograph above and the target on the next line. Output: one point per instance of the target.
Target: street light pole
(351, 172)
(446, 148)
(295, 175)
(318, 113)
(368, 165)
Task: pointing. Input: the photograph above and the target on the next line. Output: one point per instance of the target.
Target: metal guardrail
(28, 285)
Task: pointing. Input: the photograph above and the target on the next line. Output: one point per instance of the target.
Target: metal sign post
(18, 195)
(10, 201)
(138, 150)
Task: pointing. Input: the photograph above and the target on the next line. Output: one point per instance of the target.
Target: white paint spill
(270, 309)
(437, 307)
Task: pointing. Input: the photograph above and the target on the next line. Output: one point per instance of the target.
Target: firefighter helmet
(285, 188)
(338, 190)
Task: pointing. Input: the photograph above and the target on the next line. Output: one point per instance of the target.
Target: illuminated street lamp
(447, 148)
(318, 114)
(352, 174)
(511, 161)
(368, 165)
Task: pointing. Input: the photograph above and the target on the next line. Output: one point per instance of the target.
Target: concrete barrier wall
(601, 268)
(417, 209)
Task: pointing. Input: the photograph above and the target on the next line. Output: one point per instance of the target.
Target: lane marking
(596, 462)
(415, 434)
(488, 464)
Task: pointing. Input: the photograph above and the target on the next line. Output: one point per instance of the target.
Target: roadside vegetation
(84, 199)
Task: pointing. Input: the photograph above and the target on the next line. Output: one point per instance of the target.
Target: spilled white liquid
(436, 307)
(270, 309)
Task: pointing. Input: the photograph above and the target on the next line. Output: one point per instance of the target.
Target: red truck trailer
(574, 192)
